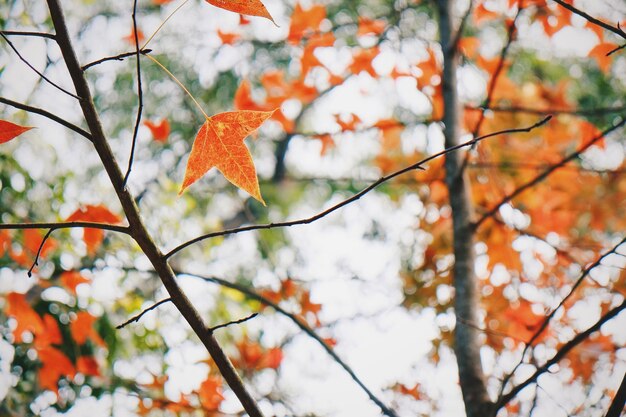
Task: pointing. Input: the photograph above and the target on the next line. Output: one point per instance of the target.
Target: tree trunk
(466, 342)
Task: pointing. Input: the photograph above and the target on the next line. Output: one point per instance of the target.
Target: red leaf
(9, 130)
(160, 130)
(71, 279)
(247, 7)
(228, 38)
(272, 358)
(97, 214)
(51, 334)
(87, 365)
(55, 365)
(82, 329)
(210, 393)
(27, 318)
(130, 38)
(220, 144)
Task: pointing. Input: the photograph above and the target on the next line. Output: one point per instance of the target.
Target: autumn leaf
(97, 214)
(305, 22)
(130, 38)
(10, 130)
(71, 279)
(87, 365)
(160, 130)
(27, 318)
(599, 53)
(54, 366)
(247, 7)
(82, 329)
(210, 393)
(228, 38)
(370, 27)
(219, 143)
(362, 61)
(51, 334)
(271, 359)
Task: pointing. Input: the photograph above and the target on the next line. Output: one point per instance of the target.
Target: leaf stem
(179, 84)
(163, 24)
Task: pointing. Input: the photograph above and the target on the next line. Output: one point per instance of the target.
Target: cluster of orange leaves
(289, 290)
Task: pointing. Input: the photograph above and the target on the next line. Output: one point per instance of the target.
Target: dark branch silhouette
(140, 315)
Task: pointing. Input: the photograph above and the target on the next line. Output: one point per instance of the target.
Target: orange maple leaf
(210, 393)
(599, 54)
(32, 239)
(51, 334)
(220, 144)
(362, 61)
(71, 279)
(369, 26)
(248, 7)
(54, 366)
(305, 22)
(271, 359)
(160, 130)
(10, 130)
(27, 318)
(82, 329)
(87, 365)
(481, 13)
(97, 214)
(228, 38)
(130, 38)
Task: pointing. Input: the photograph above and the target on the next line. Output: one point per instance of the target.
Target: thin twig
(36, 261)
(540, 177)
(138, 316)
(619, 48)
(355, 197)
(139, 96)
(601, 111)
(36, 70)
(219, 326)
(250, 293)
(119, 57)
(560, 354)
(48, 115)
(65, 225)
(459, 32)
(591, 19)
(28, 33)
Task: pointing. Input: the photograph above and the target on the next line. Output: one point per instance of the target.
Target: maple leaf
(599, 54)
(327, 142)
(160, 130)
(228, 38)
(87, 365)
(247, 7)
(362, 61)
(27, 318)
(71, 279)
(271, 359)
(82, 329)
(305, 22)
(481, 13)
(130, 38)
(220, 144)
(10, 130)
(54, 366)
(97, 214)
(369, 26)
(210, 393)
(51, 335)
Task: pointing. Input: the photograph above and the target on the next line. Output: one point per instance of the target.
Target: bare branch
(355, 197)
(243, 320)
(138, 316)
(28, 33)
(561, 353)
(36, 70)
(617, 405)
(601, 111)
(65, 225)
(46, 114)
(591, 19)
(139, 96)
(543, 175)
(119, 57)
(250, 293)
(35, 262)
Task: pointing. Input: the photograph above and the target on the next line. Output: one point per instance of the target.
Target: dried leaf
(247, 7)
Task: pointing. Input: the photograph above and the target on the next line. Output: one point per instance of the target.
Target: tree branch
(243, 320)
(602, 111)
(28, 33)
(52, 83)
(250, 293)
(591, 19)
(65, 225)
(137, 227)
(46, 114)
(540, 177)
(357, 196)
(140, 315)
(617, 405)
(119, 57)
(561, 353)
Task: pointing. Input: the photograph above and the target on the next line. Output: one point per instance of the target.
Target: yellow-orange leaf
(10, 130)
(305, 22)
(247, 7)
(219, 144)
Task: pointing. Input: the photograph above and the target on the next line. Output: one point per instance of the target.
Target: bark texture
(466, 338)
